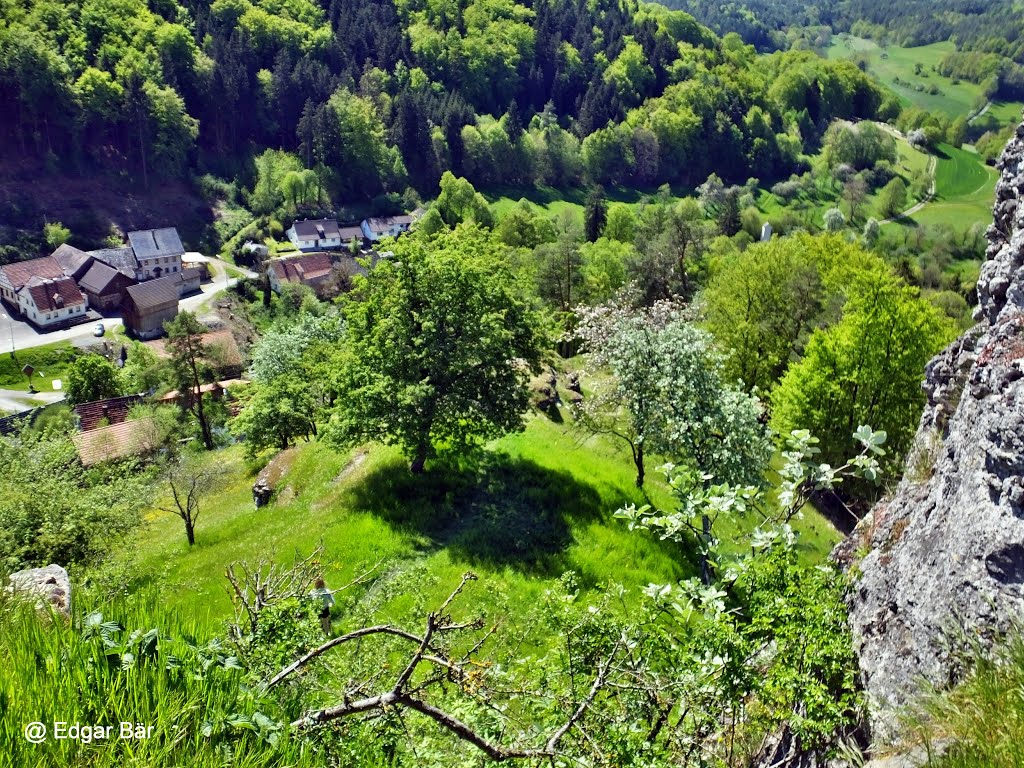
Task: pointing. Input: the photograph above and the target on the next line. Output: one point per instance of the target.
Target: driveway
(21, 335)
(16, 401)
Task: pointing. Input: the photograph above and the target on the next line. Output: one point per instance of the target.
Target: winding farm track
(924, 201)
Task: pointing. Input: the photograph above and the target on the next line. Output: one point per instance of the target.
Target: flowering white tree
(667, 394)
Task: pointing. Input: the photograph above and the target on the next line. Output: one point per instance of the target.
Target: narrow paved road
(19, 335)
(16, 401)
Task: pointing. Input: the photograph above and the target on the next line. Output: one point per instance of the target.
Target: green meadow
(538, 504)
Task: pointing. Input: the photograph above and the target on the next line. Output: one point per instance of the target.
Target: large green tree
(439, 349)
(763, 304)
(190, 361)
(865, 369)
(91, 377)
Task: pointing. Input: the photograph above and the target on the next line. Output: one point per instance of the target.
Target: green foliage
(191, 368)
(438, 349)
(52, 510)
(276, 414)
(91, 377)
(668, 396)
(55, 234)
(272, 168)
(985, 713)
(893, 198)
(137, 662)
(867, 368)
(460, 202)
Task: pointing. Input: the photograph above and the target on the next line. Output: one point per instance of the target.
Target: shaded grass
(555, 201)
(983, 717)
(539, 503)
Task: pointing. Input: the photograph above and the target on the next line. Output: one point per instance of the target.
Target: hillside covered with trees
(376, 97)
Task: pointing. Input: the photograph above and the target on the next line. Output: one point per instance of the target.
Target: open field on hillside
(894, 61)
(554, 201)
(50, 362)
(964, 190)
(541, 503)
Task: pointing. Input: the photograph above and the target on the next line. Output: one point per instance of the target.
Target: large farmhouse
(157, 252)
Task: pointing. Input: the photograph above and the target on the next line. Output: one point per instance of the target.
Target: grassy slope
(813, 207)
(954, 100)
(964, 190)
(554, 201)
(544, 506)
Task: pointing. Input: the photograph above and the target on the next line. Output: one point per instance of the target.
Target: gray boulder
(49, 586)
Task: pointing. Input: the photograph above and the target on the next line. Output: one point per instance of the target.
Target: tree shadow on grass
(502, 511)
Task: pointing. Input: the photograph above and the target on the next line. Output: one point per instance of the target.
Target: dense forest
(378, 97)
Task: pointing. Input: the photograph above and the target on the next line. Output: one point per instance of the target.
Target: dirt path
(980, 112)
(917, 207)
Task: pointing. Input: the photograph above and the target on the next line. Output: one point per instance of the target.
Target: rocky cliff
(943, 559)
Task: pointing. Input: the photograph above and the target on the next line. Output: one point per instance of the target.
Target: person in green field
(326, 597)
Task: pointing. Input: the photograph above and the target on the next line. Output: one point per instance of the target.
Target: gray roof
(190, 273)
(154, 293)
(99, 277)
(121, 259)
(383, 223)
(350, 233)
(73, 261)
(153, 243)
(316, 229)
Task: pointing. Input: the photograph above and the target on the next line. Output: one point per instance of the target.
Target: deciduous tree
(439, 349)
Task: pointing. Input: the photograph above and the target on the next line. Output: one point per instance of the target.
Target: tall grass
(131, 661)
(982, 720)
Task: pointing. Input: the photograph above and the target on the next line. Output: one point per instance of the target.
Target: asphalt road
(20, 335)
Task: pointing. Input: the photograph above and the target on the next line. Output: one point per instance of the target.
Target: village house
(147, 306)
(225, 354)
(315, 235)
(14, 277)
(348, 234)
(310, 269)
(52, 303)
(122, 259)
(188, 281)
(158, 252)
(104, 286)
(380, 227)
(137, 437)
(105, 413)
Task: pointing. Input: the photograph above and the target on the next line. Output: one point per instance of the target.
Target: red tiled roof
(115, 410)
(299, 269)
(19, 273)
(207, 388)
(50, 295)
(129, 438)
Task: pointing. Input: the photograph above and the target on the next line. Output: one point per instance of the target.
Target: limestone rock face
(945, 555)
(48, 586)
